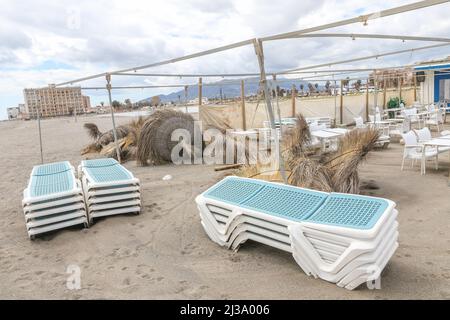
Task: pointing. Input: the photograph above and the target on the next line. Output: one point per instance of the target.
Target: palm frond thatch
(93, 130)
(104, 144)
(108, 137)
(344, 163)
(154, 143)
(308, 173)
(297, 139)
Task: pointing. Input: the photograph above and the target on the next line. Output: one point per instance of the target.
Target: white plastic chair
(423, 134)
(414, 151)
(435, 119)
(359, 121)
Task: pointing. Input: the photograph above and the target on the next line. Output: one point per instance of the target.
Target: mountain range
(228, 89)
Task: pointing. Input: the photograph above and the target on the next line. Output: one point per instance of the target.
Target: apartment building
(54, 102)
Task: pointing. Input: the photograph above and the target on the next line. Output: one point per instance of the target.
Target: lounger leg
(403, 163)
(437, 161)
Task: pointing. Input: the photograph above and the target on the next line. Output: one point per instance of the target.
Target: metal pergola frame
(259, 50)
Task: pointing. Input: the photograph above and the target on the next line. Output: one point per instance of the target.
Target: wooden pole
(367, 100)
(384, 93)
(259, 50)
(293, 100)
(415, 86)
(186, 98)
(200, 91)
(341, 108)
(244, 120)
(116, 142)
(375, 90)
(399, 88)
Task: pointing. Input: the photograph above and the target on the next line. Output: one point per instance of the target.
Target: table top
(337, 130)
(379, 122)
(325, 134)
(438, 142)
(393, 109)
(395, 120)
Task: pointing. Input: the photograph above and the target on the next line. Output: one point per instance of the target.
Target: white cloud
(97, 36)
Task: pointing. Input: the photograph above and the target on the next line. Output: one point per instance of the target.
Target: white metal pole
(108, 87)
(38, 111)
(260, 54)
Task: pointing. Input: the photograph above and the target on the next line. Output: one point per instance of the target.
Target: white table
(436, 142)
(341, 131)
(324, 135)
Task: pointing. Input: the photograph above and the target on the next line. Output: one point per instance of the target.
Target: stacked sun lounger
(344, 239)
(109, 188)
(53, 199)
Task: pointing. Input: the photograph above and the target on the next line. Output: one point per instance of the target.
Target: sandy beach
(165, 254)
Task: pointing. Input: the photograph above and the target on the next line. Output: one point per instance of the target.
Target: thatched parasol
(155, 139)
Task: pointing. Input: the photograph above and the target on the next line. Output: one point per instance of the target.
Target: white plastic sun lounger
(354, 248)
(109, 188)
(331, 236)
(53, 199)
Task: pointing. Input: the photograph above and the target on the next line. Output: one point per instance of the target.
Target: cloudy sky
(45, 41)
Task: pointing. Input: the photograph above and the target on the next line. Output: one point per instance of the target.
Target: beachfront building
(434, 82)
(53, 102)
(13, 113)
(86, 103)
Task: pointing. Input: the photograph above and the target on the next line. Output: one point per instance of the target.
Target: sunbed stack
(344, 239)
(109, 188)
(53, 199)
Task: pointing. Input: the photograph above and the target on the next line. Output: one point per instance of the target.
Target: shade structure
(344, 239)
(109, 188)
(53, 199)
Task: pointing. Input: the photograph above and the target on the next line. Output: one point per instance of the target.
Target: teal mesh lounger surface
(336, 237)
(53, 199)
(109, 188)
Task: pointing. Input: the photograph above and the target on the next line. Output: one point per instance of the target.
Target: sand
(164, 253)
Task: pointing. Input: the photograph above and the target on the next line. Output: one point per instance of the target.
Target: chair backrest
(359, 121)
(424, 134)
(378, 116)
(315, 126)
(371, 118)
(406, 125)
(409, 138)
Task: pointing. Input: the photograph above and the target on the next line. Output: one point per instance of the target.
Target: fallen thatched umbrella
(104, 144)
(308, 173)
(343, 164)
(155, 139)
(334, 172)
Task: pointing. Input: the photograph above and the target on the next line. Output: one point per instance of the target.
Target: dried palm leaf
(308, 173)
(343, 164)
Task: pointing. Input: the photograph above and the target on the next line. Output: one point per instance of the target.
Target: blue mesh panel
(113, 173)
(51, 168)
(51, 184)
(99, 163)
(278, 200)
(287, 202)
(234, 190)
(350, 211)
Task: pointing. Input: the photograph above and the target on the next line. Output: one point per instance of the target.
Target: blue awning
(432, 67)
